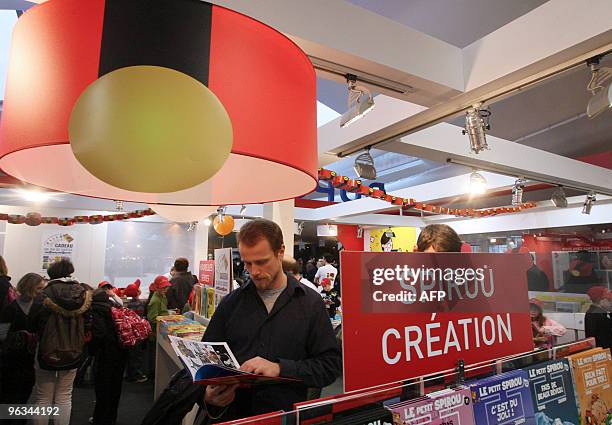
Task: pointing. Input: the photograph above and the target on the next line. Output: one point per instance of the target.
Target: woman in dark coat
(19, 347)
(110, 359)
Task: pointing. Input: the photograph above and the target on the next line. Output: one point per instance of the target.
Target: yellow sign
(396, 239)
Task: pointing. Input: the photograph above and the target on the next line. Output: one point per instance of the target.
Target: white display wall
(115, 251)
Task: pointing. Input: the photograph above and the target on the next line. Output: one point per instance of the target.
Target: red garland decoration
(35, 219)
(355, 186)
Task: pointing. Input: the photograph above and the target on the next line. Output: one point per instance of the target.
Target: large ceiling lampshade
(150, 94)
(183, 214)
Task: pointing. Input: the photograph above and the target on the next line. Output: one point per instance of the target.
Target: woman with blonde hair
(19, 347)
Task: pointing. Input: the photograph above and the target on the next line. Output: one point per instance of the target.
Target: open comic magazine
(214, 363)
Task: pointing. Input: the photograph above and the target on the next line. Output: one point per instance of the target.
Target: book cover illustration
(503, 399)
(592, 371)
(214, 363)
(446, 407)
(552, 393)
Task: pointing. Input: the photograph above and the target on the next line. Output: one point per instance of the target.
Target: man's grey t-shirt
(269, 296)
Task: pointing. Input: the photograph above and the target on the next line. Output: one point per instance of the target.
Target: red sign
(413, 314)
(207, 273)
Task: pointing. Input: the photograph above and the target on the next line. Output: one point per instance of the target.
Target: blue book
(552, 393)
(503, 399)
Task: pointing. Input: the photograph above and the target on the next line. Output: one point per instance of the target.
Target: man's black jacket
(598, 324)
(297, 334)
(178, 294)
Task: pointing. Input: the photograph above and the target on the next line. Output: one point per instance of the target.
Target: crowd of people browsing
(51, 328)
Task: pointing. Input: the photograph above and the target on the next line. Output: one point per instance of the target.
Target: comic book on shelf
(592, 372)
(503, 399)
(552, 393)
(448, 406)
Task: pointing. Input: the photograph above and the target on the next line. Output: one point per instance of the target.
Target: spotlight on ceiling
(119, 205)
(221, 214)
(558, 198)
(476, 124)
(360, 102)
(192, 226)
(478, 184)
(242, 210)
(364, 166)
(34, 196)
(359, 232)
(588, 203)
(600, 87)
(517, 192)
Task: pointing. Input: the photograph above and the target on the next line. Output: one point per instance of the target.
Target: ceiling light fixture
(600, 87)
(360, 102)
(192, 226)
(364, 166)
(34, 196)
(558, 198)
(119, 205)
(478, 184)
(588, 203)
(359, 232)
(517, 192)
(221, 214)
(476, 124)
(242, 210)
(300, 228)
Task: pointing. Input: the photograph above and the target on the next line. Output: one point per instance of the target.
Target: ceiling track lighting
(558, 198)
(360, 102)
(119, 205)
(221, 214)
(364, 166)
(588, 203)
(476, 125)
(478, 184)
(600, 87)
(242, 210)
(192, 226)
(517, 192)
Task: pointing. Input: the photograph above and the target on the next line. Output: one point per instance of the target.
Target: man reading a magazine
(275, 326)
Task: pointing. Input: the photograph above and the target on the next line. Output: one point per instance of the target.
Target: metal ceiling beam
(444, 142)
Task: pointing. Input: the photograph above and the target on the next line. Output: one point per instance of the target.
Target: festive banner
(356, 186)
(413, 314)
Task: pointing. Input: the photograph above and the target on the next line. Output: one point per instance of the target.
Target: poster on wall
(393, 239)
(206, 275)
(223, 273)
(413, 314)
(55, 246)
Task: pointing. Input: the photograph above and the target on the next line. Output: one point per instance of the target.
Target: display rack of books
(568, 385)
